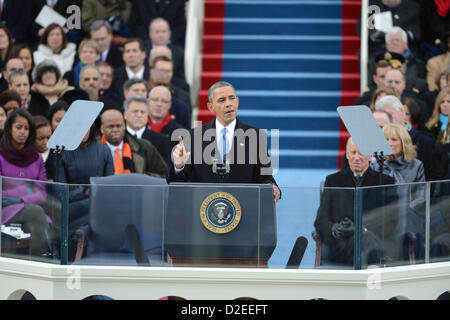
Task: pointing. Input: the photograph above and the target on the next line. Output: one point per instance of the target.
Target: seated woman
(48, 83)
(56, 113)
(33, 102)
(55, 46)
(10, 100)
(88, 52)
(19, 159)
(43, 134)
(6, 45)
(405, 168)
(90, 159)
(24, 53)
(438, 121)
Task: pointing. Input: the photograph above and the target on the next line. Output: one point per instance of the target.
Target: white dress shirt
(113, 149)
(139, 74)
(138, 133)
(230, 134)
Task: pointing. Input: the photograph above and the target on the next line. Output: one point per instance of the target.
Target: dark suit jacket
(170, 128)
(336, 204)
(406, 16)
(247, 172)
(160, 141)
(178, 61)
(120, 76)
(173, 11)
(182, 112)
(18, 16)
(114, 57)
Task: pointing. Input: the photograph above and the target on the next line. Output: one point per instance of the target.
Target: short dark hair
(6, 141)
(138, 40)
(41, 121)
(57, 106)
(50, 28)
(9, 95)
(131, 82)
(160, 58)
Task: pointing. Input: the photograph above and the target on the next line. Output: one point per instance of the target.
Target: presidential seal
(220, 212)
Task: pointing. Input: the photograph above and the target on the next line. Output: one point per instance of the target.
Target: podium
(220, 224)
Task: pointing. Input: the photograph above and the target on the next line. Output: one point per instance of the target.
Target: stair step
(291, 120)
(289, 100)
(280, 62)
(293, 139)
(281, 80)
(277, 26)
(307, 159)
(279, 9)
(280, 44)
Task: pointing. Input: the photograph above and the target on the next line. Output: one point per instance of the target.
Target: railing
(193, 47)
(162, 238)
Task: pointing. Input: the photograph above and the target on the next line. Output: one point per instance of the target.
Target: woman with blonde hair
(402, 164)
(406, 169)
(88, 53)
(439, 117)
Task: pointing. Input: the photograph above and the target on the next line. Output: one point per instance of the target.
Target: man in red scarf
(159, 119)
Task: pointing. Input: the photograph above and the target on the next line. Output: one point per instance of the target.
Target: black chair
(321, 252)
(125, 221)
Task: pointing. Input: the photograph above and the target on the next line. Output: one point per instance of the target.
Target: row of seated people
(393, 217)
(116, 143)
(418, 31)
(129, 18)
(389, 213)
(119, 64)
(426, 113)
(408, 94)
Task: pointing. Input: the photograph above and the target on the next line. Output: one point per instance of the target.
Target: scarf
(443, 7)
(124, 164)
(76, 73)
(158, 126)
(54, 92)
(20, 158)
(444, 120)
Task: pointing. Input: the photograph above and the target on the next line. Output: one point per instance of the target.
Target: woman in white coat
(55, 46)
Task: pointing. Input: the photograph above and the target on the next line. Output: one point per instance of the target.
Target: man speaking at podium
(224, 150)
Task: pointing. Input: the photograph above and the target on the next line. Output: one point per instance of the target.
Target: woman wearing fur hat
(47, 81)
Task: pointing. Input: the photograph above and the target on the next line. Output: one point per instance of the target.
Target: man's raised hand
(179, 154)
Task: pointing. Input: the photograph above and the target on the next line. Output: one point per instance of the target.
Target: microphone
(135, 242)
(297, 253)
(220, 169)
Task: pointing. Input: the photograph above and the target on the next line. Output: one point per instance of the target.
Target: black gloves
(342, 230)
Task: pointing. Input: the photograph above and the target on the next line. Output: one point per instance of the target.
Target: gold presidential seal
(220, 212)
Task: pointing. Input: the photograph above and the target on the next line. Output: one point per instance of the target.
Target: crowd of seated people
(129, 54)
(408, 93)
(45, 69)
